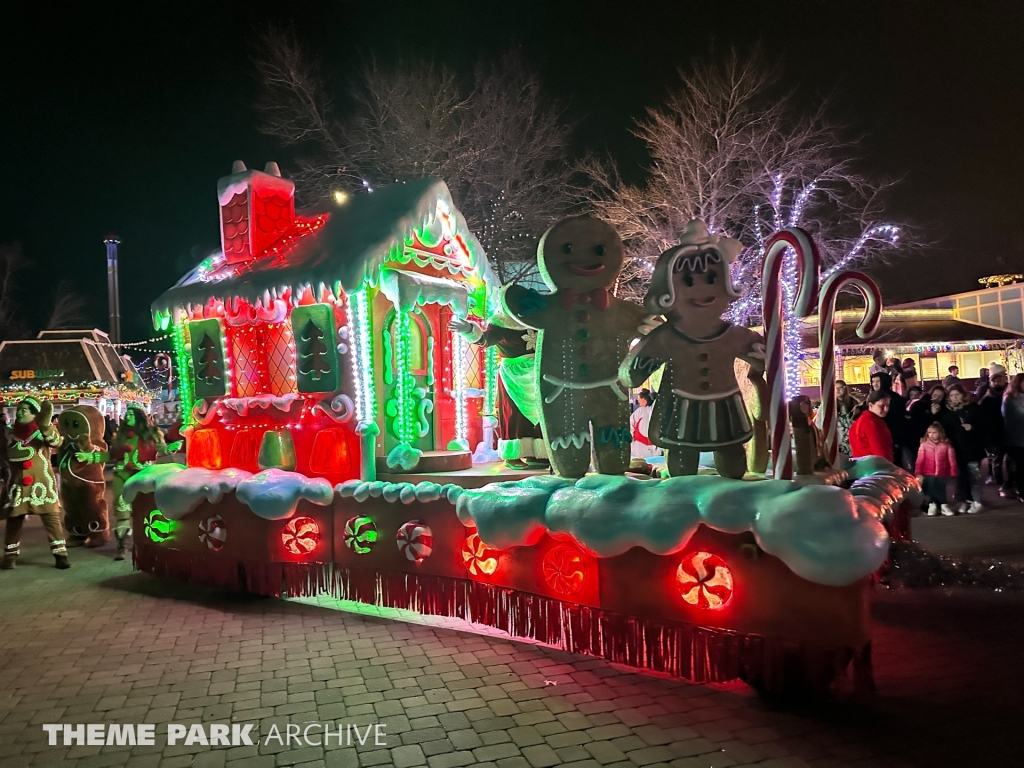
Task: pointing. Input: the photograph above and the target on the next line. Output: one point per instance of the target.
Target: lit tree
(727, 148)
(209, 370)
(314, 363)
(497, 141)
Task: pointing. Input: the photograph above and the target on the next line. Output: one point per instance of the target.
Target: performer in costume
(519, 434)
(640, 424)
(700, 406)
(33, 489)
(83, 487)
(135, 446)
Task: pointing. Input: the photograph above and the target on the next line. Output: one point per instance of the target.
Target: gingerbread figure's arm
(643, 359)
(532, 309)
(753, 354)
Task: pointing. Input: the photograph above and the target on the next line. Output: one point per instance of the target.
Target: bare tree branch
(497, 141)
(12, 261)
(728, 148)
(68, 308)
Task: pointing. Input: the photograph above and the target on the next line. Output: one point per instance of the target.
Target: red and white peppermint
(415, 541)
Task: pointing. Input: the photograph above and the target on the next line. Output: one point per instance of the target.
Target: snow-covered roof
(347, 250)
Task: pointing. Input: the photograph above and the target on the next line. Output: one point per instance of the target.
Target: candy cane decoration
(808, 271)
(828, 415)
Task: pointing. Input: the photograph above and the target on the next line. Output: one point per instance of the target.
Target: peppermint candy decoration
(705, 580)
(360, 534)
(479, 559)
(213, 532)
(156, 527)
(564, 569)
(301, 535)
(415, 541)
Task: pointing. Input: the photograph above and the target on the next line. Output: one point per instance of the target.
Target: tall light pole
(113, 292)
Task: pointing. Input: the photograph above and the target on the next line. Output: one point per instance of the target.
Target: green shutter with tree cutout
(316, 354)
(211, 379)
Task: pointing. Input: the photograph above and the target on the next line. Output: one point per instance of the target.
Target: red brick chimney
(255, 209)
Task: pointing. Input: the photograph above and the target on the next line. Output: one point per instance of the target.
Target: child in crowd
(936, 461)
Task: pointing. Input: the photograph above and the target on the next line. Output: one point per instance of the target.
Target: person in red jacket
(936, 460)
(870, 435)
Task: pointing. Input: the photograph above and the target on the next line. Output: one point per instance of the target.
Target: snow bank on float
(272, 494)
(178, 490)
(823, 533)
(407, 493)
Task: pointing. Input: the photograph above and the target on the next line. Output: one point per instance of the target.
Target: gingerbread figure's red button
(27, 464)
(26, 480)
(584, 316)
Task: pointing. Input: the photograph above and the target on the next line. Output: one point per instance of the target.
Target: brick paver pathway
(100, 644)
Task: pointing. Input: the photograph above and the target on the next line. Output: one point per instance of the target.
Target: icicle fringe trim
(699, 654)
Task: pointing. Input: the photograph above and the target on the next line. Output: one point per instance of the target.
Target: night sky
(118, 120)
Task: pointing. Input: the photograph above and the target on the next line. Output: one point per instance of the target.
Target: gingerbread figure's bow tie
(599, 297)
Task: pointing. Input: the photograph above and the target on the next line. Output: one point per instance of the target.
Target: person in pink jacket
(936, 461)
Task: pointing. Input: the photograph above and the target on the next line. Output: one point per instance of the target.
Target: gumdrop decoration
(705, 580)
(301, 535)
(360, 534)
(479, 559)
(156, 527)
(564, 569)
(415, 541)
(213, 532)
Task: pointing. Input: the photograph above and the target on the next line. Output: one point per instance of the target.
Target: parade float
(333, 409)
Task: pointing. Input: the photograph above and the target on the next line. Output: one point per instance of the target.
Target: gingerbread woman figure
(700, 407)
(583, 334)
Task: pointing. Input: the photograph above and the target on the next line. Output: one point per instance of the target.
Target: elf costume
(33, 488)
(135, 446)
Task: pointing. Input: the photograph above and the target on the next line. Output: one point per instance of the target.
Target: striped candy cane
(828, 415)
(808, 271)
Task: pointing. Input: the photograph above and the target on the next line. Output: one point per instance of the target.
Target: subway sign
(36, 373)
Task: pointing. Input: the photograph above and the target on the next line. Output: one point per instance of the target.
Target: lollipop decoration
(213, 533)
(808, 269)
(415, 541)
(705, 580)
(360, 534)
(301, 535)
(828, 418)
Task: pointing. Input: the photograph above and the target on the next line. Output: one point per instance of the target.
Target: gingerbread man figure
(583, 334)
(700, 406)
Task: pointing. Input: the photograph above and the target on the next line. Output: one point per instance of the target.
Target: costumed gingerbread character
(699, 406)
(520, 440)
(584, 333)
(135, 446)
(82, 485)
(33, 490)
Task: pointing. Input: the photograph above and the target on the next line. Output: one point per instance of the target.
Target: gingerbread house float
(319, 342)
(332, 412)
